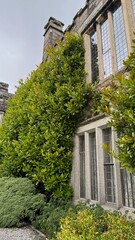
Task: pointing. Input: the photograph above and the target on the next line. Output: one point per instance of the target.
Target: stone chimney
(53, 31)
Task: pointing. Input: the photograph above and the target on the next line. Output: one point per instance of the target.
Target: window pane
(82, 167)
(128, 188)
(93, 165)
(94, 57)
(109, 183)
(107, 141)
(106, 49)
(108, 167)
(120, 36)
(133, 2)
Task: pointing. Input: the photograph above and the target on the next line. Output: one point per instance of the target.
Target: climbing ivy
(37, 133)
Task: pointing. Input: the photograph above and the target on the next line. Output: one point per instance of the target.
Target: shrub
(118, 227)
(19, 202)
(36, 136)
(49, 221)
(94, 223)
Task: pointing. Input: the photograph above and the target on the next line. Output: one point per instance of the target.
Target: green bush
(19, 202)
(49, 221)
(118, 227)
(94, 223)
(36, 136)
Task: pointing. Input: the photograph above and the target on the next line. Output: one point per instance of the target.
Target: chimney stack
(53, 31)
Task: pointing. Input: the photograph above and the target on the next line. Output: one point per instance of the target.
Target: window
(94, 57)
(133, 3)
(106, 49)
(82, 166)
(128, 188)
(93, 167)
(119, 36)
(108, 167)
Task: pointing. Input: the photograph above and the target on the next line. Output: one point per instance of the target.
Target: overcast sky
(21, 33)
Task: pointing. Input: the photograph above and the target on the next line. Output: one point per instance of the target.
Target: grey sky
(21, 33)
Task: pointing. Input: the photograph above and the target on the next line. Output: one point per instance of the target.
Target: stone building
(4, 94)
(107, 29)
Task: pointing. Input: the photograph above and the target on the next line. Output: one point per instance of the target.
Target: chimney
(53, 31)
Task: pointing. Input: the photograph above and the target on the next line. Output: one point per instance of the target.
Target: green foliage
(118, 102)
(96, 102)
(19, 202)
(49, 221)
(36, 136)
(95, 223)
(118, 227)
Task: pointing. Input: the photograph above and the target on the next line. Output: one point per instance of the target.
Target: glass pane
(108, 142)
(119, 36)
(94, 57)
(93, 165)
(106, 49)
(82, 167)
(133, 2)
(109, 183)
(128, 188)
(108, 167)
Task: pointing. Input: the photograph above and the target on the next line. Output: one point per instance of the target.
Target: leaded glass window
(133, 3)
(119, 36)
(94, 57)
(128, 188)
(93, 167)
(82, 166)
(108, 167)
(106, 49)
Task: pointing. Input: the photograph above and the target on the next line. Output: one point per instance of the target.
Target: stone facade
(107, 28)
(4, 94)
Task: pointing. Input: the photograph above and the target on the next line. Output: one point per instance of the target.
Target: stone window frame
(96, 126)
(129, 24)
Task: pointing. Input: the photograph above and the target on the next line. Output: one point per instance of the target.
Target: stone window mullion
(87, 46)
(75, 179)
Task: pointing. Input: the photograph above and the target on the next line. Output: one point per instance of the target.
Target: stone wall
(4, 95)
(85, 16)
